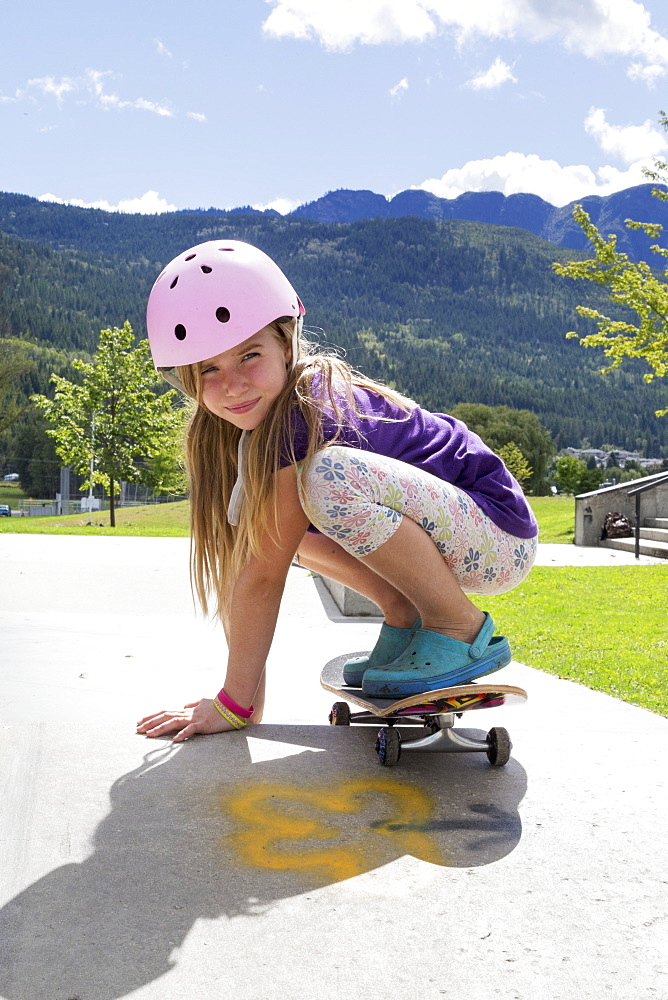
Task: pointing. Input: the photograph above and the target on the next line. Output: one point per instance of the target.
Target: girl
(292, 454)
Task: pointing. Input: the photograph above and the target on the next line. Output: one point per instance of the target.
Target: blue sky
(145, 107)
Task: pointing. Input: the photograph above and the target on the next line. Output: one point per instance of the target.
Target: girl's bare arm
(253, 613)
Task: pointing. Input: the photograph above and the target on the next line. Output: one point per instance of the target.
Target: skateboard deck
(435, 710)
(458, 698)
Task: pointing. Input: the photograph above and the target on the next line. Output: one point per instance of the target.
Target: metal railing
(637, 493)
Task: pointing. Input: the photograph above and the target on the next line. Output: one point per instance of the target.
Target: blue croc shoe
(390, 644)
(434, 661)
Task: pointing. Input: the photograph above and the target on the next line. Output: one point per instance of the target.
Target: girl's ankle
(403, 621)
(462, 630)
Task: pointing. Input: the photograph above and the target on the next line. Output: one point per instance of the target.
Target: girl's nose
(234, 384)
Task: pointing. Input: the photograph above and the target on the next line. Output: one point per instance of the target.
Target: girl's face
(240, 385)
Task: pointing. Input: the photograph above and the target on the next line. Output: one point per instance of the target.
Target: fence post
(65, 489)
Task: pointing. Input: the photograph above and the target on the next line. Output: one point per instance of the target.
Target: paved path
(580, 555)
(286, 862)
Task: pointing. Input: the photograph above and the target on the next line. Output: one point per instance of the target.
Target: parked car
(5, 510)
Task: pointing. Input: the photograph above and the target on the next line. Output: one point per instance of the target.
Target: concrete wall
(591, 508)
(349, 602)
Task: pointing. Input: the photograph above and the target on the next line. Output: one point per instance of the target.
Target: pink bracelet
(243, 713)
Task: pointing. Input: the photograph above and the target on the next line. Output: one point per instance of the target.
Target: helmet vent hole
(191, 256)
(180, 331)
(226, 249)
(173, 284)
(222, 314)
(206, 269)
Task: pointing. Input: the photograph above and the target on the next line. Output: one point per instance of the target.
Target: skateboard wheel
(498, 746)
(340, 714)
(388, 746)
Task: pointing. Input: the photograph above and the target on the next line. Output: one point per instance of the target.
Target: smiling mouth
(243, 407)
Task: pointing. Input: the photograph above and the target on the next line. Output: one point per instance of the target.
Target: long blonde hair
(219, 550)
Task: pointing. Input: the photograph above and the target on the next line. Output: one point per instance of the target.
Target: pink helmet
(213, 297)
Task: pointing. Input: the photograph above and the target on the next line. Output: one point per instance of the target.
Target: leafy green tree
(573, 476)
(499, 426)
(115, 418)
(634, 286)
(166, 469)
(568, 473)
(516, 462)
(590, 480)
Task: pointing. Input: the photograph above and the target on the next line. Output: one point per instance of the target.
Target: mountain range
(449, 311)
(524, 211)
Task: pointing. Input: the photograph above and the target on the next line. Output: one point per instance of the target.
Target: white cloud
(647, 74)
(281, 205)
(497, 74)
(517, 173)
(49, 85)
(162, 49)
(338, 24)
(592, 27)
(399, 87)
(628, 143)
(149, 203)
(92, 83)
(196, 116)
(96, 84)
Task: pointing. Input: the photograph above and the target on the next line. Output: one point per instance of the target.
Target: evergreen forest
(449, 312)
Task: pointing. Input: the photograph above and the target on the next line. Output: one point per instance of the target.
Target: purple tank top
(435, 442)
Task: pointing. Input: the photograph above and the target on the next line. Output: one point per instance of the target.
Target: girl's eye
(251, 354)
(205, 371)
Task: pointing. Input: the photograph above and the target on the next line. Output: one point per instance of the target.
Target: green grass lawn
(12, 494)
(165, 519)
(556, 518)
(602, 626)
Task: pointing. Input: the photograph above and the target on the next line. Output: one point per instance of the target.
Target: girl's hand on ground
(197, 717)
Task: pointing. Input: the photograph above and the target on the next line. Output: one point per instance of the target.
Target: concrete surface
(285, 862)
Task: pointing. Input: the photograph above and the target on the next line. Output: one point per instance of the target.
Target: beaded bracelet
(233, 719)
(224, 699)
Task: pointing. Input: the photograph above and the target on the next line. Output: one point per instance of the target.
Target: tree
(572, 475)
(590, 480)
(634, 286)
(14, 361)
(114, 419)
(499, 426)
(567, 473)
(515, 462)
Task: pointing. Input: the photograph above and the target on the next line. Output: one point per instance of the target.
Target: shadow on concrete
(222, 827)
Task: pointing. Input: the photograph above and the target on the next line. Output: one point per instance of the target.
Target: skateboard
(434, 710)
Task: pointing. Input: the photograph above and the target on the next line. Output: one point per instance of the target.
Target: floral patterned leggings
(358, 499)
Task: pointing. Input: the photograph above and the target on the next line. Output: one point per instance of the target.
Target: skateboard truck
(443, 737)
